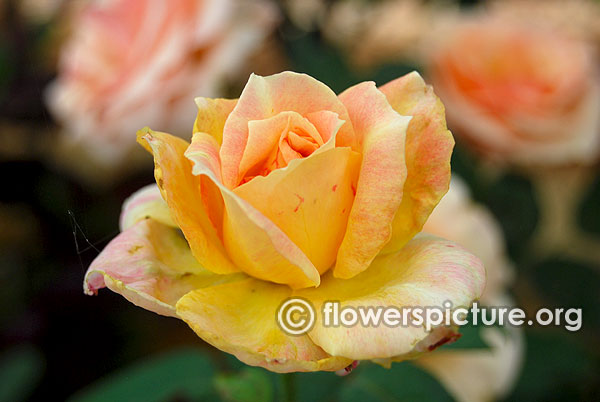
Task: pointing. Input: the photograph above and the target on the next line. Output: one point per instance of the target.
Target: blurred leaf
(464, 164)
(556, 369)
(311, 56)
(403, 382)
(569, 284)
(248, 385)
(183, 373)
(20, 371)
(511, 199)
(589, 213)
(470, 336)
(319, 386)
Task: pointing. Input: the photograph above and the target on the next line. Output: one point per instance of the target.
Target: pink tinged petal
(427, 272)
(145, 203)
(255, 244)
(150, 265)
(240, 318)
(186, 199)
(313, 215)
(428, 150)
(265, 97)
(381, 132)
(212, 114)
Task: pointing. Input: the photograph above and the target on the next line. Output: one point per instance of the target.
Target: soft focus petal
(212, 114)
(428, 149)
(255, 243)
(312, 214)
(239, 318)
(145, 203)
(427, 272)
(381, 132)
(150, 265)
(459, 219)
(181, 190)
(479, 375)
(265, 97)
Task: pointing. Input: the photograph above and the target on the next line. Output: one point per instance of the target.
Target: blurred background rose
(536, 227)
(133, 61)
(518, 93)
(478, 375)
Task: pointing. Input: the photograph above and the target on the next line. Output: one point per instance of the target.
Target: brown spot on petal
(445, 340)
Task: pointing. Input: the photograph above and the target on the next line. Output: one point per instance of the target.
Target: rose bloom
(519, 94)
(477, 374)
(132, 61)
(287, 191)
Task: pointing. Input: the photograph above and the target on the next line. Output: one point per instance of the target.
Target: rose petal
(428, 150)
(145, 203)
(212, 114)
(255, 244)
(264, 137)
(427, 272)
(150, 265)
(479, 374)
(181, 190)
(240, 318)
(265, 97)
(381, 132)
(313, 215)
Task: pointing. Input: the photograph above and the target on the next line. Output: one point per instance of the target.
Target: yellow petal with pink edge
(265, 97)
(182, 192)
(256, 245)
(151, 265)
(143, 204)
(428, 150)
(309, 200)
(427, 272)
(240, 318)
(212, 114)
(381, 132)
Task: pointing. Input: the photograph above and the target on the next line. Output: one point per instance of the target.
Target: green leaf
(564, 283)
(21, 368)
(319, 386)
(182, 373)
(312, 56)
(471, 335)
(556, 368)
(512, 200)
(403, 382)
(248, 385)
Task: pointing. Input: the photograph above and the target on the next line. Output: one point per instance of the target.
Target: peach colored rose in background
(477, 375)
(134, 62)
(519, 94)
(291, 190)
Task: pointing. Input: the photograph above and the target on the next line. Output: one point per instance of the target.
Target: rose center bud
(273, 143)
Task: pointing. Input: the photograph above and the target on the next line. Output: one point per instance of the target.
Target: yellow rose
(293, 191)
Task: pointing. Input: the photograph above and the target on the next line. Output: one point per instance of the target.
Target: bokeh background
(78, 78)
